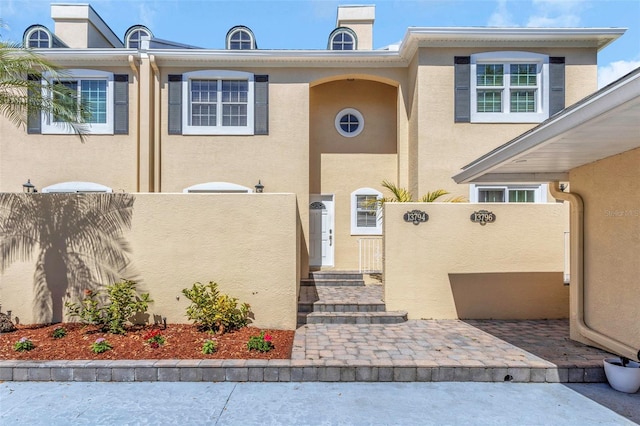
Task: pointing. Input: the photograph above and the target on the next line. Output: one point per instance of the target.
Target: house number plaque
(416, 216)
(483, 217)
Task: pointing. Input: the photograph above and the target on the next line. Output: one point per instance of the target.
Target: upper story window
(95, 89)
(218, 102)
(365, 212)
(240, 38)
(38, 38)
(508, 193)
(133, 36)
(509, 87)
(342, 39)
(349, 122)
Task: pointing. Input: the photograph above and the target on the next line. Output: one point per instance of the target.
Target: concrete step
(331, 282)
(356, 317)
(321, 306)
(331, 275)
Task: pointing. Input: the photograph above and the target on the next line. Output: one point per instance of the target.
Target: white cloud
(615, 70)
(556, 13)
(147, 12)
(501, 16)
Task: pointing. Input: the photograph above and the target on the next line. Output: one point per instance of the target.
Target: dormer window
(240, 38)
(38, 38)
(133, 36)
(342, 39)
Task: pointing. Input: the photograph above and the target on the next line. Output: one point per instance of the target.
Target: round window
(349, 122)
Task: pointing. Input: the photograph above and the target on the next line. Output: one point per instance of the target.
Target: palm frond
(20, 96)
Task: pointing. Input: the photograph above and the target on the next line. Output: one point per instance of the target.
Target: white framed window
(240, 38)
(95, 89)
(134, 35)
(509, 87)
(342, 39)
(218, 103)
(366, 216)
(508, 193)
(349, 122)
(38, 38)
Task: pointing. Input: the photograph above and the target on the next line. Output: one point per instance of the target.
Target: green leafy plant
(24, 344)
(213, 311)
(262, 343)
(123, 302)
(59, 333)
(402, 195)
(154, 338)
(209, 346)
(101, 345)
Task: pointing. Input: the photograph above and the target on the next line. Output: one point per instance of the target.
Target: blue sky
(306, 24)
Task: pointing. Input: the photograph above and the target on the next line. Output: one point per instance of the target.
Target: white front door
(321, 235)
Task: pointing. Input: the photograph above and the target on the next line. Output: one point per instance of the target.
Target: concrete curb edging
(196, 370)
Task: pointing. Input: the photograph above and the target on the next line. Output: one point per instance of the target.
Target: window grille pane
(94, 94)
(524, 75)
(240, 40)
(39, 38)
(523, 101)
(489, 101)
(68, 102)
(342, 41)
(234, 115)
(204, 98)
(490, 75)
(203, 115)
(235, 91)
(366, 220)
(349, 123)
(521, 196)
(491, 196)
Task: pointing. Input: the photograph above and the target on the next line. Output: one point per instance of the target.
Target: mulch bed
(183, 341)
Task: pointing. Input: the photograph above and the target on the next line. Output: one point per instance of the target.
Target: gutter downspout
(577, 275)
(156, 124)
(136, 72)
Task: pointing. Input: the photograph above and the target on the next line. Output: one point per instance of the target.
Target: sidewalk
(413, 351)
(54, 403)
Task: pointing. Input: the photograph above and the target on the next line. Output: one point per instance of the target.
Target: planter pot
(623, 379)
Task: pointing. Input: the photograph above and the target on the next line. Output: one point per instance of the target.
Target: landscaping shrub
(213, 311)
(123, 302)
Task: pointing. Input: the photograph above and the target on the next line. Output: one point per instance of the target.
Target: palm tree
(402, 195)
(78, 238)
(22, 73)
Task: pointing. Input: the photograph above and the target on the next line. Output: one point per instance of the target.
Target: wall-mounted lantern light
(259, 187)
(29, 188)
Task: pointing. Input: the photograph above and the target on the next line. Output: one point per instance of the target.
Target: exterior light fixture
(28, 188)
(562, 187)
(259, 187)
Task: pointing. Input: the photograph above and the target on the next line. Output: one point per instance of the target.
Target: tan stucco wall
(446, 146)
(247, 243)
(339, 179)
(425, 264)
(110, 160)
(610, 189)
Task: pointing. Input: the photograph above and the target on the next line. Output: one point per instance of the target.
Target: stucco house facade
(327, 126)
(595, 146)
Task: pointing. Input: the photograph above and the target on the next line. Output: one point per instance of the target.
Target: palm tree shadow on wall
(78, 239)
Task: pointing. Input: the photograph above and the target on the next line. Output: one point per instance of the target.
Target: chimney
(358, 18)
(80, 27)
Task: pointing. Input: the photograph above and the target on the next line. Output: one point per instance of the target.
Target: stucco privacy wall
(513, 266)
(610, 190)
(247, 243)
